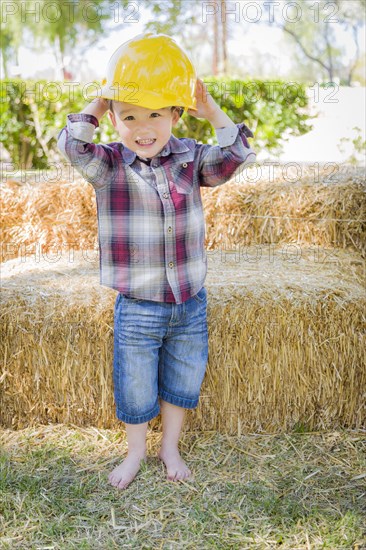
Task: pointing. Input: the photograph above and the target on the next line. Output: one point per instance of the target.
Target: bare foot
(123, 474)
(177, 469)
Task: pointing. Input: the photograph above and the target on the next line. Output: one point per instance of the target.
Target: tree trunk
(224, 38)
(357, 55)
(215, 58)
(329, 53)
(59, 66)
(5, 65)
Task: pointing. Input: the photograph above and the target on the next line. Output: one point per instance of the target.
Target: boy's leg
(123, 474)
(172, 419)
(138, 332)
(182, 366)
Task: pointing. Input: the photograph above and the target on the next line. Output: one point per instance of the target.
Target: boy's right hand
(98, 107)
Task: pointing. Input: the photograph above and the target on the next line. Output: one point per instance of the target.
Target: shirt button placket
(170, 245)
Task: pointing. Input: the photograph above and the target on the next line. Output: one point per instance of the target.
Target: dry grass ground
(297, 491)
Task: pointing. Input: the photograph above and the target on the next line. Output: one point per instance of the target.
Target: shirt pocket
(183, 178)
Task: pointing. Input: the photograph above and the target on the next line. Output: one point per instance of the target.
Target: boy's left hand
(208, 108)
(206, 105)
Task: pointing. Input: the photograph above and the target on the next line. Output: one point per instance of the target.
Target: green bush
(33, 112)
(273, 110)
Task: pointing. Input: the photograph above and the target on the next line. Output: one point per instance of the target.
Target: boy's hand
(206, 104)
(207, 108)
(97, 107)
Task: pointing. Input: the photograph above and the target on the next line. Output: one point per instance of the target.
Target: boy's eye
(129, 117)
(154, 115)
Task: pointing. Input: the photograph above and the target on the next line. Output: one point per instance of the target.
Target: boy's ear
(175, 117)
(112, 118)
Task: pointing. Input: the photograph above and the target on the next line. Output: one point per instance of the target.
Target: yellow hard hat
(151, 71)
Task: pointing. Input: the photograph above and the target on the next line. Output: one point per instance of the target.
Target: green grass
(294, 491)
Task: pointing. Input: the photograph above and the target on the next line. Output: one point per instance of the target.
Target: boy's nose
(143, 126)
(143, 130)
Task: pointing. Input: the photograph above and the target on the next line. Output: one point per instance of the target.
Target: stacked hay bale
(286, 309)
(44, 217)
(316, 210)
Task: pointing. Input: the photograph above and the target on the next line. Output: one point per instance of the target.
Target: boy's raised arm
(219, 163)
(95, 162)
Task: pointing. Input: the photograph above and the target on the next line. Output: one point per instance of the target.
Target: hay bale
(325, 213)
(287, 341)
(46, 217)
(43, 218)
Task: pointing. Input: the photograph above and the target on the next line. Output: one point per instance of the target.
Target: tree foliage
(312, 29)
(180, 19)
(11, 31)
(65, 27)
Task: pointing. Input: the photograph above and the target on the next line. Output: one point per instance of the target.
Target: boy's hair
(179, 109)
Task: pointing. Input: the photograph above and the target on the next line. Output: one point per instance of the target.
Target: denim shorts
(160, 351)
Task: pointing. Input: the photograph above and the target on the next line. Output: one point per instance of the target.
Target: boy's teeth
(145, 141)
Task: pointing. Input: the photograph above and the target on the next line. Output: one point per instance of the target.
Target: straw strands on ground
(298, 491)
(287, 343)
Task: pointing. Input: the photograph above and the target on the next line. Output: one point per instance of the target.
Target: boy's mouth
(145, 141)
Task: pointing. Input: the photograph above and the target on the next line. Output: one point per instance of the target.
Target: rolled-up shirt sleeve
(227, 136)
(95, 162)
(221, 162)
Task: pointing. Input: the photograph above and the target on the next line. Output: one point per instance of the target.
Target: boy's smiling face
(144, 131)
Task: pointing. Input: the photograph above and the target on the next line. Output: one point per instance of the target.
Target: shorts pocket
(131, 300)
(201, 296)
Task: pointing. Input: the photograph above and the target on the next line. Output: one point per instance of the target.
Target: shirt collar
(174, 145)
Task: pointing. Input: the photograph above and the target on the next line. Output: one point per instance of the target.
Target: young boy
(151, 239)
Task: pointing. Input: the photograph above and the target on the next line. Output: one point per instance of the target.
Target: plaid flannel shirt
(150, 216)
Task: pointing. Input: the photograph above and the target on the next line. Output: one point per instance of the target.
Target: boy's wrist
(219, 119)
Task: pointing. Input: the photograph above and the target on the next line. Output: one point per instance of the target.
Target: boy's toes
(124, 483)
(120, 483)
(114, 480)
(123, 474)
(179, 475)
(176, 468)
